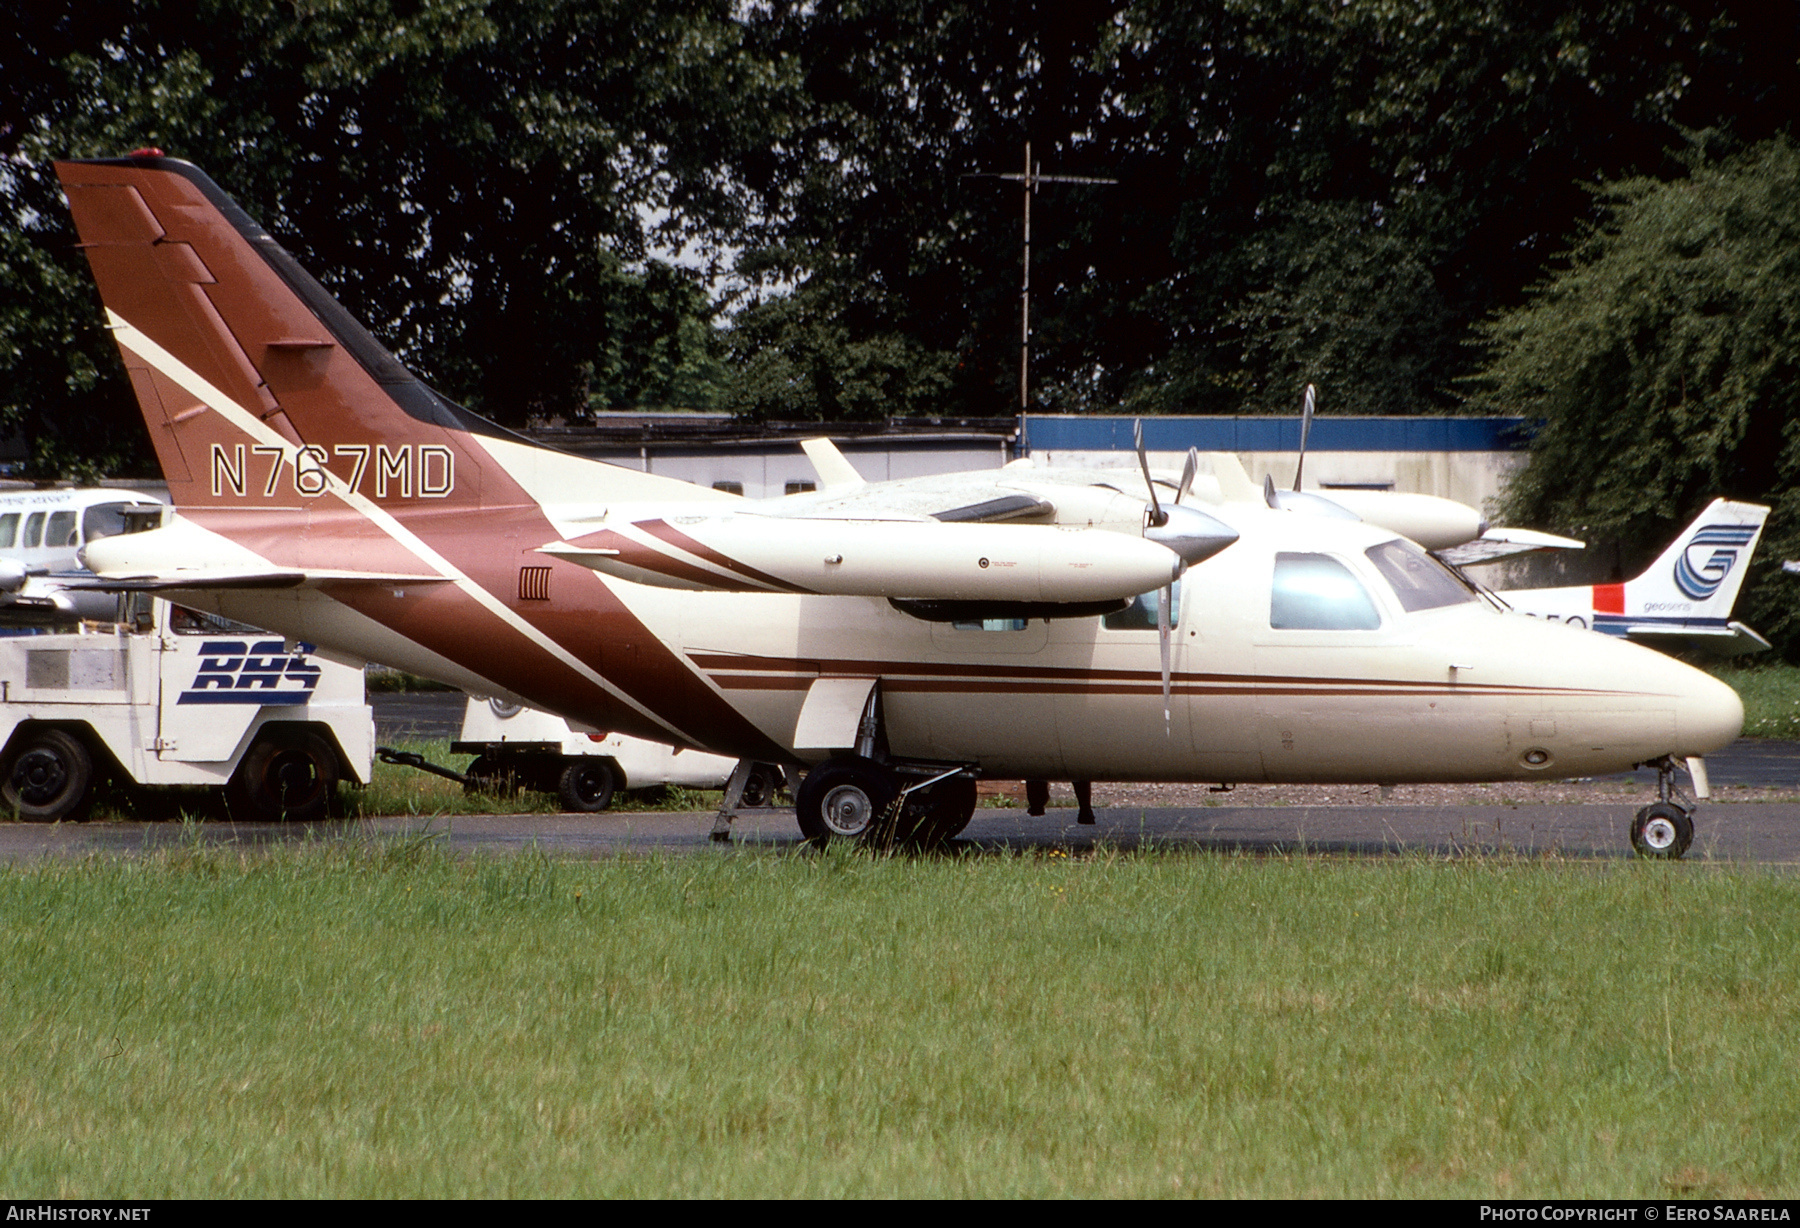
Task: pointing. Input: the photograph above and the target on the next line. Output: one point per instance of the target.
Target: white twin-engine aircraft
(897, 639)
(40, 533)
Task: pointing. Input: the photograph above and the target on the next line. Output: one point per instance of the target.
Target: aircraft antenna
(1033, 175)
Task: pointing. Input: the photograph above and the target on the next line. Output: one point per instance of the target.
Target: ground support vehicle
(523, 748)
(171, 697)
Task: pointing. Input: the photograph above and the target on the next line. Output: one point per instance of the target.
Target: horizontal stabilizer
(1732, 640)
(206, 580)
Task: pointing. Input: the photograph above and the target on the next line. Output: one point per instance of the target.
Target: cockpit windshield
(1418, 580)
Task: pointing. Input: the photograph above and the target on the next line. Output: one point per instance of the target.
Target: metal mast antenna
(1030, 180)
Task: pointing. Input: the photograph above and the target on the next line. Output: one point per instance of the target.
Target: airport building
(1466, 459)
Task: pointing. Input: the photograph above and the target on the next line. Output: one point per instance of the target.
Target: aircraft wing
(1497, 544)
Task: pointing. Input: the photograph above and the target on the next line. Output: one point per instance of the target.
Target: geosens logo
(1723, 541)
(233, 672)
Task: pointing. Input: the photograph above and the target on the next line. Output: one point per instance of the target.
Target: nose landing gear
(1665, 828)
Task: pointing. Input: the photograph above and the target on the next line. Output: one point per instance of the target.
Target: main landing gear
(851, 797)
(1665, 828)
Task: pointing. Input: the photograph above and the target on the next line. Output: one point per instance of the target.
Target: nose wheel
(1664, 829)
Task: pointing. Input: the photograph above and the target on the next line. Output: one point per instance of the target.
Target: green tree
(1663, 360)
(471, 177)
(1308, 189)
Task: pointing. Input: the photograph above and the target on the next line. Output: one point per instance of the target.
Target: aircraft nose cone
(1191, 533)
(1708, 714)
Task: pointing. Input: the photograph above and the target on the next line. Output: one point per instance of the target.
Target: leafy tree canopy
(481, 181)
(1308, 189)
(1663, 360)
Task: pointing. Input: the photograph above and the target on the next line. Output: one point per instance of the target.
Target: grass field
(1771, 695)
(378, 1019)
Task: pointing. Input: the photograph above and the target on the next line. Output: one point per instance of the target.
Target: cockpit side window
(103, 520)
(9, 529)
(1420, 581)
(34, 531)
(1315, 592)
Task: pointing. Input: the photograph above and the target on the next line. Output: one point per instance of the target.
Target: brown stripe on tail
(226, 308)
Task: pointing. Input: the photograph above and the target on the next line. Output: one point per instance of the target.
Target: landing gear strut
(1665, 828)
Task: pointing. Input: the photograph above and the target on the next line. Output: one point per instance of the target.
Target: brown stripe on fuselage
(675, 537)
(586, 619)
(993, 675)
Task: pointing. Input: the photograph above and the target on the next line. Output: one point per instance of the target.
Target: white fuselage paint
(1457, 693)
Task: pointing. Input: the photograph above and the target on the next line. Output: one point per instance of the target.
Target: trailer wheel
(48, 777)
(585, 786)
(285, 778)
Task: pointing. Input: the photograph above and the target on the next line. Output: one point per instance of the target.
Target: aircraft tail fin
(1698, 577)
(259, 388)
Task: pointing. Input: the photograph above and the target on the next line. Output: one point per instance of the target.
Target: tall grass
(1771, 695)
(380, 1019)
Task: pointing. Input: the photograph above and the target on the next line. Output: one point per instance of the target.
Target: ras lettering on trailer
(424, 471)
(235, 672)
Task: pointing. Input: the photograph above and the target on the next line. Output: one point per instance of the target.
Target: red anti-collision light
(147, 152)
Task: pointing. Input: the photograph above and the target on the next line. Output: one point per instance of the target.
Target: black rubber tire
(285, 777)
(1662, 831)
(843, 798)
(761, 786)
(586, 785)
(947, 808)
(48, 777)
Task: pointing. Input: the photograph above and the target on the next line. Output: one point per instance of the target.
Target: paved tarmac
(1764, 833)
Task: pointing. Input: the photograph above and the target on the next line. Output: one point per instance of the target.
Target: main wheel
(1662, 830)
(285, 776)
(760, 787)
(586, 785)
(841, 798)
(937, 814)
(48, 777)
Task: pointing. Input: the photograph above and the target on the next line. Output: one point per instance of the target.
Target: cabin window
(61, 530)
(9, 529)
(1315, 592)
(990, 624)
(183, 621)
(1418, 580)
(34, 531)
(1140, 615)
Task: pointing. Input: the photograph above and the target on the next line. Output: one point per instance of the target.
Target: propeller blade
(1188, 469)
(1165, 599)
(1158, 517)
(1306, 417)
